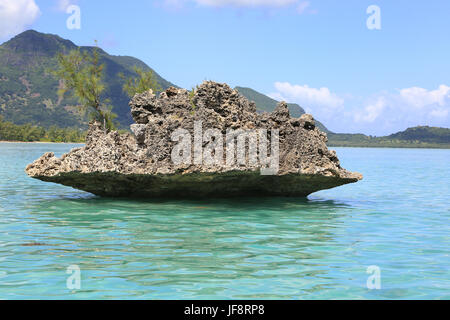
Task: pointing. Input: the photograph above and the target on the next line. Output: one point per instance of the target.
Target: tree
(82, 75)
(28, 132)
(144, 81)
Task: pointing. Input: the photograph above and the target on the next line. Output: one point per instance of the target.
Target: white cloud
(380, 114)
(439, 113)
(246, 3)
(301, 5)
(410, 104)
(322, 103)
(372, 111)
(419, 97)
(304, 95)
(16, 15)
(62, 5)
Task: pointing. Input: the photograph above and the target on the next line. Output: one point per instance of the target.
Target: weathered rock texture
(140, 164)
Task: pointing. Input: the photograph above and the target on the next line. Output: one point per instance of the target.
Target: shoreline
(329, 146)
(385, 147)
(1, 141)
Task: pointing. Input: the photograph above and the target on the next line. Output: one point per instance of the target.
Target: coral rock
(141, 165)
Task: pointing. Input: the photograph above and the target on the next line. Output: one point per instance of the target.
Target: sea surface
(394, 224)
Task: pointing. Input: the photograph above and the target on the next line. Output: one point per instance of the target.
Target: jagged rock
(281, 112)
(141, 164)
(139, 132)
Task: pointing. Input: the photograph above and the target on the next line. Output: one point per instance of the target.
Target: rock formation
(141, 164)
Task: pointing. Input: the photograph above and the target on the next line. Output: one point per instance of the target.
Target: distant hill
(416, 137)
(28, 92)
(424, 134)
(28, 97)
(267, 104)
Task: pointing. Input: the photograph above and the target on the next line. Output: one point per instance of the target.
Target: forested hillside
(29, 133)
(28, 91)
(416, 137)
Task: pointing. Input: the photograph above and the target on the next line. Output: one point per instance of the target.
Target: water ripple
(281, 248)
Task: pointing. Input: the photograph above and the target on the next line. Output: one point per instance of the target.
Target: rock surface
(140, 164)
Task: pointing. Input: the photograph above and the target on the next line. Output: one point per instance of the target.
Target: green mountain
(28, 92)
(29, 103)
(267, 104)
(423, 133)
(416, 137)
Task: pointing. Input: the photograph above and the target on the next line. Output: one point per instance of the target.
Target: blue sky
(317, 53)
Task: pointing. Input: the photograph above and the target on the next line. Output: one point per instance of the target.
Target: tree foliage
(26, 85)
(29, 133)
(144, 81)
(82, 75)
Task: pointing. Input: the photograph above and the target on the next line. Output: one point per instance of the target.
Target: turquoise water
(397, 218)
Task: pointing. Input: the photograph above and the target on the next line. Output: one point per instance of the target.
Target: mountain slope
(267, 104)
(423, 133)
(416, 137)
(28, 92)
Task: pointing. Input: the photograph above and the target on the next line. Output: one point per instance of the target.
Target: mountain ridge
(266, 104)
(28, 92)
(413, 137)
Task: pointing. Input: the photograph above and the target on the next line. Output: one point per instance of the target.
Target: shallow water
(397, 218)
